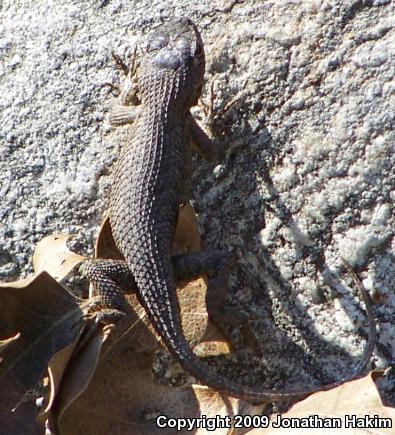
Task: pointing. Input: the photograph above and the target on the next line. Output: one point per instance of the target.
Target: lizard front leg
(126, 109)
(207, 148)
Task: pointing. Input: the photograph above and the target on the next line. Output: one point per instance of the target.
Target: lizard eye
(157, 42)
(184, 45)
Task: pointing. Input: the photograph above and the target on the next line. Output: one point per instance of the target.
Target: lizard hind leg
(216, 266)
(110, 278)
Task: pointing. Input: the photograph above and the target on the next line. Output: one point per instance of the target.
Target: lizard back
(152, 176)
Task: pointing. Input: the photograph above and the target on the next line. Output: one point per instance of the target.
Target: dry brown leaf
(78, 374)
(198, 329)
(48, 319)
(5, 343)
(123, 396)
(187, 237)
(53, 256)
(213, 404)
(56, 368)
(105, 244)
(357, 399)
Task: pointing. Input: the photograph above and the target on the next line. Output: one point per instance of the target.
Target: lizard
(151, 180)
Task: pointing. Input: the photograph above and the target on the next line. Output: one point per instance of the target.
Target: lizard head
(174, 53)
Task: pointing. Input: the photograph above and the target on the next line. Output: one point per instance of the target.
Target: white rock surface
(309, 171)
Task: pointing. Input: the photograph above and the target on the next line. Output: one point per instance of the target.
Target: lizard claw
(120, 63)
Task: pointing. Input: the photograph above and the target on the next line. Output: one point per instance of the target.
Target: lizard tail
(167, 323)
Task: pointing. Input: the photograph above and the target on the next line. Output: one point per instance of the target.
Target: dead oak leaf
(53, 256)
(45, 319)
(123, 396)
(358, 399)
(5, 343)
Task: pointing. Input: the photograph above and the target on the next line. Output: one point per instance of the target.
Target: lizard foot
(95, 311)
(108, 316)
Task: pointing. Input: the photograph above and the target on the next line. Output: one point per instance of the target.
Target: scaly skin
(151, 181)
